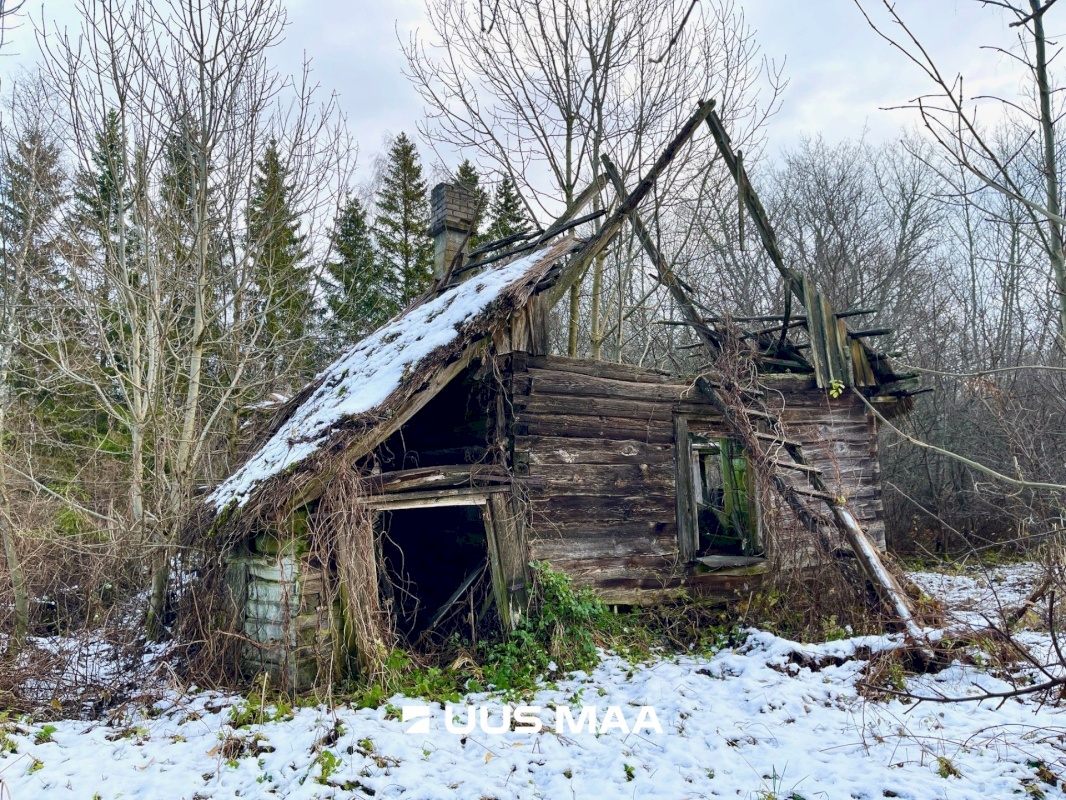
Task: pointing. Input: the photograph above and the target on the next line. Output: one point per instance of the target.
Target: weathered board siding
(593, 458)
(289, 619)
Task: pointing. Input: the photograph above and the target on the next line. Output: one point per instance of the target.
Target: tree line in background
(376, 267)
(181, 242)
(181, 245)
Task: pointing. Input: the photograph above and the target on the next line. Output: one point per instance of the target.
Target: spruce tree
(467, 176)
(360, 293)
(31, 186)
(102, 193)
(507, 215)
(31, 192)
(277, 250)
(401, 228)
(103, 199)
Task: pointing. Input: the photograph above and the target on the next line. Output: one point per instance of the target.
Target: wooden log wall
(840, 438)
(593, 459)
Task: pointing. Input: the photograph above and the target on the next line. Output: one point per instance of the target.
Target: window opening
(723, 485)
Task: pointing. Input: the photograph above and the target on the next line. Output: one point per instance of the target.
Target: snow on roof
(365, 376)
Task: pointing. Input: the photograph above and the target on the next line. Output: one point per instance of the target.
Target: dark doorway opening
(431, 554)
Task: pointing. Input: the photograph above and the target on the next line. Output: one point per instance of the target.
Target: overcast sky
(840, 74)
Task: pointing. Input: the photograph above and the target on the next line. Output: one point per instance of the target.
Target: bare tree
(173, 102)
(540, 90)
(32, 181)
(952, 122)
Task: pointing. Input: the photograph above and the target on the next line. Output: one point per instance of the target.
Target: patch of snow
(752, 721)
(364, 377)
(273, 400)
(980, 592)
(743, 723)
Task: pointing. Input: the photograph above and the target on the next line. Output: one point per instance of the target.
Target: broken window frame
(695, 440)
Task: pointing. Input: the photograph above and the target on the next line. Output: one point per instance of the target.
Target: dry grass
(343, 529)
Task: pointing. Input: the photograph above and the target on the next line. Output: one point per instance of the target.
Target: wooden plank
(561, 550)
(552, 381)
(473, 496)
(807, 491)
(539, 325)
(780, 464)
(834, 346)
(442, 476)
(513, 553)
(607, 567)
(590, 509)
(753, 566)
(864, 374)
(544, 450)
(724, 562)
(816, 331)
(579, 529)
(884, 582)
(685, 507)
(498, 571)
(601, 369)
(530, 424)
(600, 479)
(619, 407)
(774, 439)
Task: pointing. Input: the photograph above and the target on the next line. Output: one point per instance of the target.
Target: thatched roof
(367, 385)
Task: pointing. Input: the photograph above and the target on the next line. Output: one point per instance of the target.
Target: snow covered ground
(751, 722)
(978, 594)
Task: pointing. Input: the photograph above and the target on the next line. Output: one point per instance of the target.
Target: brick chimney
(452, 210)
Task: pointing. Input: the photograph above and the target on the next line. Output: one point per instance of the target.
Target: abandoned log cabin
(425, 469)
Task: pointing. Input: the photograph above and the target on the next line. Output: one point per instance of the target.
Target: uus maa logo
(464, 719)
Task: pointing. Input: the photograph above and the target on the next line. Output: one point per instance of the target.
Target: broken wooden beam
(435, 477)
(871, 332)
(794, 465)
(596, 243)
(775, 439)
(673, 284)
(467, 582)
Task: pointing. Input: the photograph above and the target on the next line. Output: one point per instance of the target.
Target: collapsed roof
(370, 391)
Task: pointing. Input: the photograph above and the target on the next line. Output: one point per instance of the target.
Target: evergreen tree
(277, 250)
(507, 214)
(178, 181)
(102, 194)
(31, 192)
(401, 227)
(360, 293)
(187, 233)
(32, 187)
(103, 198)
(467, 176)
